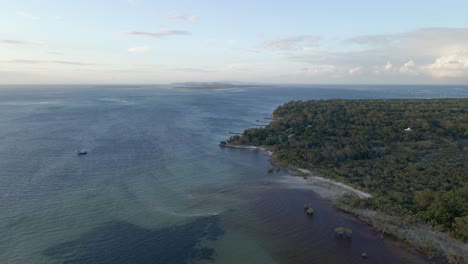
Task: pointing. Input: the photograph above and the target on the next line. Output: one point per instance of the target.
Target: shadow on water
(121, 242)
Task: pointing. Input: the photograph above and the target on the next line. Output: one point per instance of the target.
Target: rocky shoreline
(418, 237)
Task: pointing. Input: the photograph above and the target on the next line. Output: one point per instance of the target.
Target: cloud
(193, 70)
(158, 34)
(77, 63)
(385, 69)
(139, 49)
(409, 68)
(355, 71)
(437, 35)
(450, 66)
(423, 54)
(301, 42)
(318, 70)
(238, 67)
(388, 66)
(421, 45)
(26, 15)
(374, 40)
(183, 17)
(22, 42)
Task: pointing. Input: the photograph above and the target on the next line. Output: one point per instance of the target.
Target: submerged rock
(342, 231)
(308, 208)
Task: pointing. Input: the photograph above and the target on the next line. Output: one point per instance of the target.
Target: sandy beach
(305, 179)
(327, 188)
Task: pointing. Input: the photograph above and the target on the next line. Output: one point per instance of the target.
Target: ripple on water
(122, 242)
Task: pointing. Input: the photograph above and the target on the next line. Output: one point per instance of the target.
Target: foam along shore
(328, 188)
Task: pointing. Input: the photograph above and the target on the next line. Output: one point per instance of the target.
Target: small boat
(81, 152)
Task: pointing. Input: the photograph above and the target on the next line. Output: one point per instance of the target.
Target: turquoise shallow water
(155, 187)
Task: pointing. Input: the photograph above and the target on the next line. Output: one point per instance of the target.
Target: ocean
(155, 187)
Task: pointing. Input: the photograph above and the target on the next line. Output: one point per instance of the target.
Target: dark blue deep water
(155, 187)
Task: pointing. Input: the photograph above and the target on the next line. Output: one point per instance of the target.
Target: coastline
(326, 188)
(337, 188)
(268, 152)
(417, 237)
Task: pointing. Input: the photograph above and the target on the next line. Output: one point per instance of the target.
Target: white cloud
(23, 61)
(158, 34)
(26, 15)
(439, 53)
(388, 66)
(301, 42)
(409, 68)
(450, 66)
(139, 49)
(307, 48)
(355, 71)
(385, 69)
(183, 17)
(375, 40)
(22, 42)
(189, 70)
(318, 70)
(237, 67)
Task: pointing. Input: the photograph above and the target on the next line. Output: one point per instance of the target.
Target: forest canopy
(411, 154)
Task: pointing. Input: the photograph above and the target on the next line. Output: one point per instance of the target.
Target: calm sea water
(155, 187)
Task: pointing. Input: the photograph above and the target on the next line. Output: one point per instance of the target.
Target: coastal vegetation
(410, 154)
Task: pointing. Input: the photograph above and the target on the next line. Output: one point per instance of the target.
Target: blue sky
(142, 41)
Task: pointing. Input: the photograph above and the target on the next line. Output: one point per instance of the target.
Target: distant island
(411, 155)
(210, 86)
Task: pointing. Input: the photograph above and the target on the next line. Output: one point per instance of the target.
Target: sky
(297, 42)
